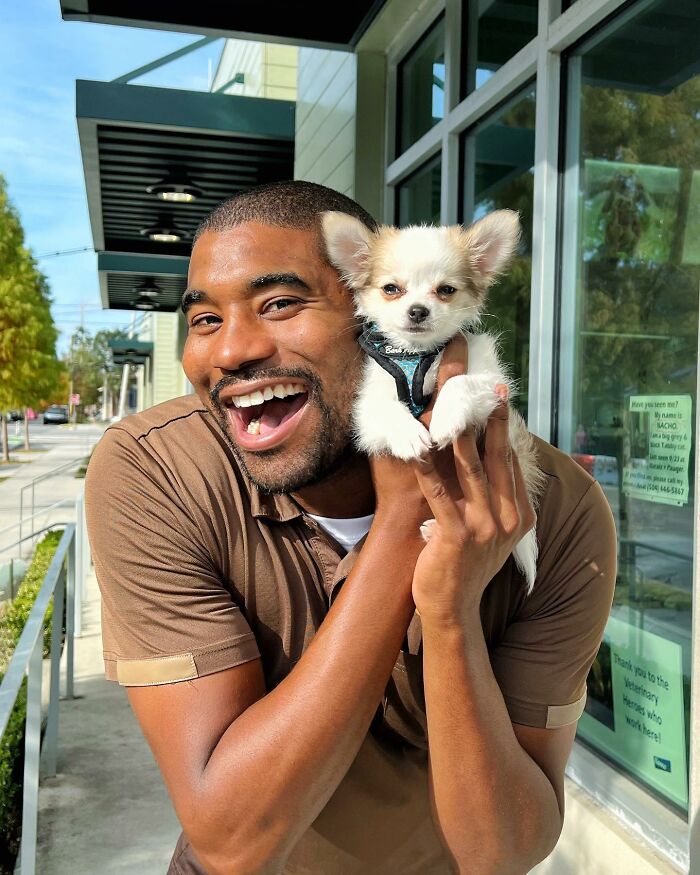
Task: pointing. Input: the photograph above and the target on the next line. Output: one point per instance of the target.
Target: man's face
(271, 350)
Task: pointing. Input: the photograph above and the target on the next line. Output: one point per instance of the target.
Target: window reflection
(498, 161)
(421, 87)
(492, 32)
(418, 197)
(628, 350)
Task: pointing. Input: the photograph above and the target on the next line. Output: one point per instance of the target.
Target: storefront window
(491, 34)
(421, 84)
(627, 357)
(498, 158)
(418, 197)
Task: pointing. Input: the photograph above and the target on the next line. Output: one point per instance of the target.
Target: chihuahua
(415, 289)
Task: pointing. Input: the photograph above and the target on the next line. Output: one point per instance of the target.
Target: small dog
(416, 288)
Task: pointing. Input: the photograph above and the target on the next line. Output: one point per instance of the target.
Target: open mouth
(266, 416)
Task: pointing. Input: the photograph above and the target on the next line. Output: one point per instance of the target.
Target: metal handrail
(59, 581)
(39, 479)
(38, 513)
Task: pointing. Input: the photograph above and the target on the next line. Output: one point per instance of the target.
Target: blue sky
(41, 56)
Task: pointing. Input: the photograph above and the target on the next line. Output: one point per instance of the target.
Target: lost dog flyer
(656, 461)
(646, 729)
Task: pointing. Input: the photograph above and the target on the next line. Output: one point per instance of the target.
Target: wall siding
(325, 119)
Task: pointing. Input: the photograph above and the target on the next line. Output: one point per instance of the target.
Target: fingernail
(502, 392)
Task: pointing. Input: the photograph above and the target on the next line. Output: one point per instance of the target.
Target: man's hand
(481, 511)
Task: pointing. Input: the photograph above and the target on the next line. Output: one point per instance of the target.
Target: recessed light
(177, 187)
(164, 231)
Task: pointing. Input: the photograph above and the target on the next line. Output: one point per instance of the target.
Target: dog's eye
(391, 289)
(446, 290)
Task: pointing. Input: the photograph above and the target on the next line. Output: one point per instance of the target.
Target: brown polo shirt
(200, 572)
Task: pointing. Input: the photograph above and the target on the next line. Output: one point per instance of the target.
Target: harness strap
(376, 345)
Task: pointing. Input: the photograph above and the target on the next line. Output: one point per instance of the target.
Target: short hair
(290, 204)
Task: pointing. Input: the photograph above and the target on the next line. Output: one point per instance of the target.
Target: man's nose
(417, 313)
(241, 342)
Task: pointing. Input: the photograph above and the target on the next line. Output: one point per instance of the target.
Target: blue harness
(408, 369)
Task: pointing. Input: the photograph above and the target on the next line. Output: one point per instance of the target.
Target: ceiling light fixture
(147, 288)
(177, 188)
(164, 231)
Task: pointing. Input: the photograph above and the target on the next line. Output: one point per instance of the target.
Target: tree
(29, 369)
(90, 364)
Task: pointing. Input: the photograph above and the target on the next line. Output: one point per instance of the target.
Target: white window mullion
(544, 232)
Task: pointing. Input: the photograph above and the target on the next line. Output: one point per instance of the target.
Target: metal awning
(294, 22)
(133, 137)
(129, 351)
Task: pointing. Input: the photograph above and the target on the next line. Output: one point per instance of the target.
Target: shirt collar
(278, 507)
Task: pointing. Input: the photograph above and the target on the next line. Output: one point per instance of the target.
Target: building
(586, 119)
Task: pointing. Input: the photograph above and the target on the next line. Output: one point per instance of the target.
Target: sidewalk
(107, 809)
(49, 452)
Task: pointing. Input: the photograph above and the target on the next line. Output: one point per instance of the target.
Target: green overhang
(129, 351)
(132, 137)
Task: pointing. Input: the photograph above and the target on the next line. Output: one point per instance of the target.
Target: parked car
(56, 414)
(15, 415)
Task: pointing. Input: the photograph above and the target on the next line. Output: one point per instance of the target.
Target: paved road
(53, 447)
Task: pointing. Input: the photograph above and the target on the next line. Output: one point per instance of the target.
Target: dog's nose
(417, 314)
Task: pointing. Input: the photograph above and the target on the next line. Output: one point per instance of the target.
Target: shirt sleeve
(543, 659)
(166, 614)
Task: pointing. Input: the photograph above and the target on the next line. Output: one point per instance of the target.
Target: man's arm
(247, 772)
(497, 787)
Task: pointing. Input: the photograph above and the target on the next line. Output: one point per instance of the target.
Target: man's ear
(348, 244)
(491, 242)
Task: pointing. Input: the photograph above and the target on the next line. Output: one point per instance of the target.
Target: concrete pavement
(107, 809)
(52, 448)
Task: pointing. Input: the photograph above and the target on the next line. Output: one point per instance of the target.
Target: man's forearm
(277, 765)
(496, 809)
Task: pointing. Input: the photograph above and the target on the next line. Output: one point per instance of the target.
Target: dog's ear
(491, 242)
(348, 243)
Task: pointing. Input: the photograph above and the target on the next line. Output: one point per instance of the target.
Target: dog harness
(408, 369)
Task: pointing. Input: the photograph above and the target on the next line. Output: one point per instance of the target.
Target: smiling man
(324, 693)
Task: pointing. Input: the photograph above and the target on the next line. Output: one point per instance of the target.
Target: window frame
(541, 61)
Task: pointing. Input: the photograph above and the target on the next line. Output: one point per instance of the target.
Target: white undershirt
(347, 532)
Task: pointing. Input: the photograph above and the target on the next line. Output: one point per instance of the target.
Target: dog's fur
(446, 271)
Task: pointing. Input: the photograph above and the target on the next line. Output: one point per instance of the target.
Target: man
(288, 674)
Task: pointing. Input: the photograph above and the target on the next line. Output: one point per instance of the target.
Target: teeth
(279, 390)
(254, 426)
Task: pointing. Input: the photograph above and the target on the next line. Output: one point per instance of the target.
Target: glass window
(418, 196)
(498, 158)
(492, 32)
(627, 367)
(421, 83)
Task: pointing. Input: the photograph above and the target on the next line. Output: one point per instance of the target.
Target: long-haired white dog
(416, 288)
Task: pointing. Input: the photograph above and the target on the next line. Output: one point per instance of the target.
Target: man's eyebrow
(278, 279)
(192, 296)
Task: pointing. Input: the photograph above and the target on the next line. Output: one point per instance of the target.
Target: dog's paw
(411, 442)
(427, 529)
(464, 401)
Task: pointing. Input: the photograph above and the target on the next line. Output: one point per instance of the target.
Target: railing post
(79, 567)
(30, 802)
(70, 617)
(51, 736)
(87, 558)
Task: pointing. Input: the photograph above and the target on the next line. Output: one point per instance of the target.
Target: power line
(64, 252)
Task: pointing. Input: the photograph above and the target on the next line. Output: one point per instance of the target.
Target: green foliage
(29, 369)
(12, 623)
(90, 363)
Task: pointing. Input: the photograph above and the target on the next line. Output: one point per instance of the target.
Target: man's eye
(280, 304)
(446, 290)
(391, 289)
(206, 319)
